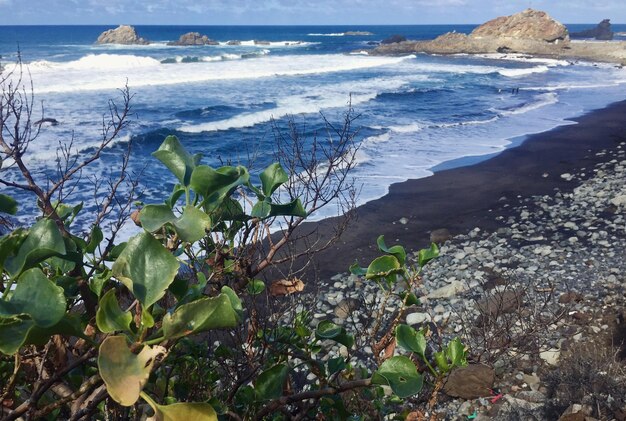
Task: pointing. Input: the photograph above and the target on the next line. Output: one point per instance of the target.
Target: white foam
(109, 72)
(408, 128)
(336, 34)
(523, 72)
(541, 100)
(267, 44)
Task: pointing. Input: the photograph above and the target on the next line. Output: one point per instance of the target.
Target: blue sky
(297, 12)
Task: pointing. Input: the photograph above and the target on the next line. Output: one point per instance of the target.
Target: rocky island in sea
(528, 32)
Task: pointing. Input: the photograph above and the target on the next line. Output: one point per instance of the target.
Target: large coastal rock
(601, 32)
(123, 34)
(527, 25)
(193, 38)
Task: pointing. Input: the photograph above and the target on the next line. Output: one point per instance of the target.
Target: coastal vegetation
(176, 322)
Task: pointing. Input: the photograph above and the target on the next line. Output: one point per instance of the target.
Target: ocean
(417, 114)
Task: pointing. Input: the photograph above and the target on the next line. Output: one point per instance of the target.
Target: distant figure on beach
(515, 91)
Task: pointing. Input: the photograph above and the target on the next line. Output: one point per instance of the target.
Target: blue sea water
(416, 113)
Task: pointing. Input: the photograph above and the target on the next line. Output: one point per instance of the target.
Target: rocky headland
(601, 32)
(193, 38)
(123, 34)
(530, 32)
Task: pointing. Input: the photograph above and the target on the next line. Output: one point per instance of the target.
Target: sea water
(416, 113)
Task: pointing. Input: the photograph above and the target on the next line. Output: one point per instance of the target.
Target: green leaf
(182, 411)
(426, 255)
(411, 299)
(355, 269)
(95, 238)
(146, 268)
(269, 384)
(272, 177)
(200, 315)
(43, 241)
(397, 251)
(442, 361)
(69, 325)
(13, 332)
(401, 375)
(411, 340)
(8, 204)
(153, 217)
(382, 267)
(293, 208)
(456, 353)
(174, 156)
(255, 287)
(215, 185)
(336, 364)
(261, 209)
(10, 244)
(192, 225)
(110, 317)
(328, 330)
(98, 281)
(36, 296)
(123, 372)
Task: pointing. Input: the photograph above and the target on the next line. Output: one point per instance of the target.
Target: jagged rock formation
(123, 34)
(527, 25)
(529, 32)
(601, 32)
(394, 39)
(193, 38)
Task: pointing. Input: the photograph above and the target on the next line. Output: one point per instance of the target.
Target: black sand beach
(461, 199)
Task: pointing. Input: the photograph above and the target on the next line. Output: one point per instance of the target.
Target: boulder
(261, 42)
(601, 32)
(529, 25)
(394, 39)
(193, 38)
(471, 382)
(123, 34)
(233, 43)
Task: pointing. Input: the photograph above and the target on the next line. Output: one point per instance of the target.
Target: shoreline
(480, 195)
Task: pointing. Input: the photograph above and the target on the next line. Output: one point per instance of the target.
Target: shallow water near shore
(417, 114)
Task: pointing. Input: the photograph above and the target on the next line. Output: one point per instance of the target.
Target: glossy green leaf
(328, 330)
(110, 317)
(442, 361)
(98, 280)
(355, 269)
(456, 353)
(382, 267)
(69, 325)
(174, 156)
(181, 411)
(235, 302)
(13, 332)
(146, 268)
(336, 364)
(255, 287)
(43, 241)
(426, 255)
(95, 238)
(411, 299)
(123, 372)
(272, 177)
(200, 315)
(153, 217)
(36, 296)
(8, 204)
(192, 225)
(10, 244)
(401, 375)
(293, 208)
(176, 194)
(397, 251)
(410, 339)
(269, 384)
(261, 209)
(208, 182)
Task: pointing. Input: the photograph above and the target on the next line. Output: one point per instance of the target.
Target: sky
(296, 12)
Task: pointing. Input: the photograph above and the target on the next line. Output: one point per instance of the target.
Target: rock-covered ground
(538, 302)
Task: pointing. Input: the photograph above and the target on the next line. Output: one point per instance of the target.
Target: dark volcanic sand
(461, 199)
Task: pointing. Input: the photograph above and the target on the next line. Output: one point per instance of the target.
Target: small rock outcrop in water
(123, 34)
(601, 32)
(357, 33)
(394, 39)
(193, 38)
